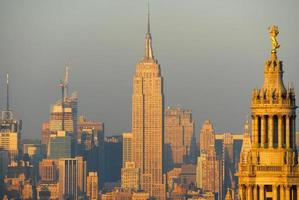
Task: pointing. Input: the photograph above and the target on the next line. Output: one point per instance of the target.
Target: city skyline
(227, 111)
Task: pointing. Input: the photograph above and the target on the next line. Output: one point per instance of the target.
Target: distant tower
(92, 186)
(147, 121)
(208, 166)
(178, 135)
(72, 177)
(246, 145)
(48, 170)
(206, 136)
(10, 130)
(127, 148)
(271, 170)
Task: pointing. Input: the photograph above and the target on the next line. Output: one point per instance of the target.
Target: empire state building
(147, 121)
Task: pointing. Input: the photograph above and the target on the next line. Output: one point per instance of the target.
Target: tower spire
(7, 114)
(148, 17)
(148, 37)
(7, 92)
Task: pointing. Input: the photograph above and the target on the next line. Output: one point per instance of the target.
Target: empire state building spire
(148, 39)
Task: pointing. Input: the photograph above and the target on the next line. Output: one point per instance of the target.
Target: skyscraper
(113, 149)
(92, 186)
(208, 166)
(45, 135)
(60, 146)
(130, 177)
(271, 168)
(127, 148)
(48, 171)
(90, 145)
(72, 177)
(147, 121)
(178, 135)
(10, 130)
(69, 115)
(206, 136)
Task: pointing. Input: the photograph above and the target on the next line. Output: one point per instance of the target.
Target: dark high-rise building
(113, 159)
(90, 145)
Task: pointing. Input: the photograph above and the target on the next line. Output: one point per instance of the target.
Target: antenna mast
(7, 92)
(61, 85)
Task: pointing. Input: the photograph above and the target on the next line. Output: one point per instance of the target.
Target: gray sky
(211, 52)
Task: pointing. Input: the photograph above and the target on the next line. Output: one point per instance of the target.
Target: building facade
(92, 186)
(271, 170)
(130, 177)
(208, 172)
(127, 148)
(48, 170)
(72, 177)
(178, 135)
(60, 146)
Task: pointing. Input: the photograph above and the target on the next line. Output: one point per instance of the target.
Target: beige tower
(147, 121)
(271, 170)
(246, 145)
(127, 148)
(92, 186)
(178, 135)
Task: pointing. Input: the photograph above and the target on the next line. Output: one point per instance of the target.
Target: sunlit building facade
(271, 169)
(147, 122)
(178, 135)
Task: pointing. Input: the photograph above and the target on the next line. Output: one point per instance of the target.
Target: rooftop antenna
(61, 85)
(7, 92)
(7, 114)
(148, 17)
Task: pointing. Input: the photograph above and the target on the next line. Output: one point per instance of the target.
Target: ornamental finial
(273, 30)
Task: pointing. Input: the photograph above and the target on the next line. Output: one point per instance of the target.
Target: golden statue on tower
(273, 30)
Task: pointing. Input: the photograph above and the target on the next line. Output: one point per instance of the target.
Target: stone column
(294, 132)
(274, 189)
(270, 131)
(255, 131)
(249, 192)
(255, 192)
(287, 192)
(287, 131)
(263, 131)
(262, 192)
(297, 187)
(280, 132)
(241, 192)
(282, 193)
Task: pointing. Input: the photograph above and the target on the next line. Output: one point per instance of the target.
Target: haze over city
(212, 55)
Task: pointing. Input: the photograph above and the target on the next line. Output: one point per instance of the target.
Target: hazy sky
(211, 52)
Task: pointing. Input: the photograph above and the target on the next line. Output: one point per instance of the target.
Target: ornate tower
(147, 121)
(271, 169)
